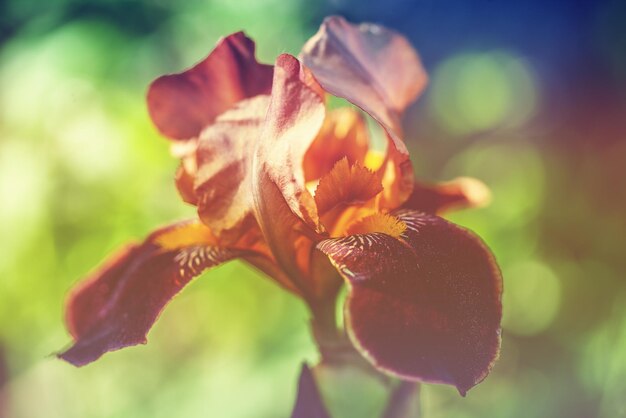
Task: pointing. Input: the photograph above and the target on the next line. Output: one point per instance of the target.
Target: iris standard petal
(371, 66)
(182, 105)
(343, 134)
(377, 70)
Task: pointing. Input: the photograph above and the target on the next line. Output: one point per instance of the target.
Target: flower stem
(324, 328)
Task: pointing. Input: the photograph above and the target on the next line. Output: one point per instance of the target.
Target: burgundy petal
(425, 306)
(183, 104)
(116, 306)
(309, 402)
(371, 66)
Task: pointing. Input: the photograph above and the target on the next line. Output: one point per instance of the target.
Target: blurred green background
(527, 96)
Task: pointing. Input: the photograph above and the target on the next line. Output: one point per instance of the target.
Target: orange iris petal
(346, 185)
(344, 134)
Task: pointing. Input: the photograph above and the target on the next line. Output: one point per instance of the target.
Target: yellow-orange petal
(346, 185)
(378, 222)
(343, 134)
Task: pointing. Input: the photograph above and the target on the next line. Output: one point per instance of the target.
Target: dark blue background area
(568, 42)
(555, 32)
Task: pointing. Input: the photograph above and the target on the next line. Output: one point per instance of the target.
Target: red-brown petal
(184, 179)
(379, 71)
(371, 66)
(182, 105)
(294, 118)
(116, 306)
(223, 182)
(426, 307)
(462, 192)
(186, 171)
(284, 208)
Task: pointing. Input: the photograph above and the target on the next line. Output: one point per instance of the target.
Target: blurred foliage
(83, 171)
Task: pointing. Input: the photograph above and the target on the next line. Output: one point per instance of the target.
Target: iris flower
(307, 196)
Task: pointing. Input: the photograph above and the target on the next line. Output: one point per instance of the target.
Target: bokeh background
(527, 96)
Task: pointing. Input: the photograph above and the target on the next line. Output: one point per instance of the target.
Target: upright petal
(116, 306)
(182, 105)
(371, 66)
(344, 134)
(186, 171)
(377, 70)
(223, 181)
(284, 208)
(425, 306)
(294, 118)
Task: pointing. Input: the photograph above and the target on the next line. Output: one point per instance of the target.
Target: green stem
(324, 328)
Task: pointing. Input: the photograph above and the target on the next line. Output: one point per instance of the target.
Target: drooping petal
(223, 182)
(309, 402)
(462, 192)
(116, 306)
(344, 134)
(425, 306)
(371, 66)
(182, 105)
